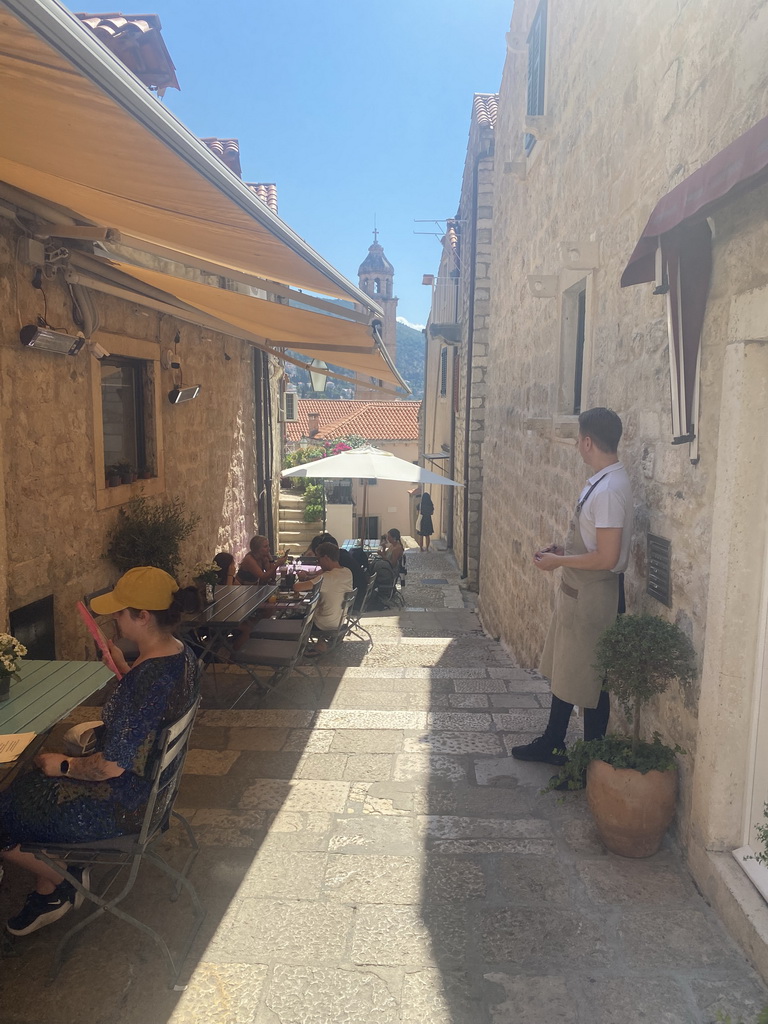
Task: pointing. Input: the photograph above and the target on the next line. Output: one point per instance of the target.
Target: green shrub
(150, 533)
(639, 656)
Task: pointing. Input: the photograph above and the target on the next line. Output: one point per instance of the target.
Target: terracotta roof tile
(375, 421)
(266, 192)
(137, 41)
(485, 107)
(228, 151)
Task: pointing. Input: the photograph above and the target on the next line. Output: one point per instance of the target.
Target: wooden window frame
(148, 353)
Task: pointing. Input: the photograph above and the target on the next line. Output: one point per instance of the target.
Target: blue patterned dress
(36, 808)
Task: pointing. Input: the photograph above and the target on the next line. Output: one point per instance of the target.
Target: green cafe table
(43, 694)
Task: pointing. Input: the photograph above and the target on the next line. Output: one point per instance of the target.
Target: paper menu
(12, 745)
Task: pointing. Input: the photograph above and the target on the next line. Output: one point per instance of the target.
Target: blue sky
(353, 109)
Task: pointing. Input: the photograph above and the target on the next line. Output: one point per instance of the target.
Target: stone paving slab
(370, 854)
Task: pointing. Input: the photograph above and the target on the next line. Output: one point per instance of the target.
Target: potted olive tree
(150, 533)
(631, 784)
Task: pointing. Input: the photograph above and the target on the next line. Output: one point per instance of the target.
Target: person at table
(64, 799)
(346, 561)
(394, 550)
(227, 569)
(259, 566)
(336, 581)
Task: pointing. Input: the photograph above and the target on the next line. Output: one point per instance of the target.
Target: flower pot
(127, 478)
(5, 685)
(114, 480)
(632, 810)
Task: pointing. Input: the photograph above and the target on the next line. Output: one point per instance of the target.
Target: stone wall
(631, 110)
(56, 533)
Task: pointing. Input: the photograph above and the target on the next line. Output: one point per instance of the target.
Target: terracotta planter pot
(632, 810)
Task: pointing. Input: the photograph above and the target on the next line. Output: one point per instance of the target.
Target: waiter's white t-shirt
(608, 506)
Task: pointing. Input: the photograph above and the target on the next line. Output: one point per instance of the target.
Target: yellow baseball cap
(144, 587)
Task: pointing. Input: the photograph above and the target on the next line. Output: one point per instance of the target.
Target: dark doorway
(33, 626)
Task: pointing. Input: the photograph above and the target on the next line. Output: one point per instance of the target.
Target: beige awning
(79, 130)
(340, 342)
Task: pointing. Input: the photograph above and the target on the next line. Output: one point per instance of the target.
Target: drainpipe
(470, 343)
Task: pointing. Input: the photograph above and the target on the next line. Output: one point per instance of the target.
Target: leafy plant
(150, 533)
(726, 1018)
(307, 453)
(762, 834)
(639, 656)
(618, 752)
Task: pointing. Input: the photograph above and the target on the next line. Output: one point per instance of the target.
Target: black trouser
(595, 719)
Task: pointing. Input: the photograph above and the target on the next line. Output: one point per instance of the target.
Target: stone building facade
(593, 129)
(58, 509)
(456, 383)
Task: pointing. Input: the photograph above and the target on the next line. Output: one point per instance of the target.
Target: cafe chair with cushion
(281, 656)
(125, 854)
(286, 629)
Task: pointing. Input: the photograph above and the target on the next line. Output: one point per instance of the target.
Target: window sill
(110, 497)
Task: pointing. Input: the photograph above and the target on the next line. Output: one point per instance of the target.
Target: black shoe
(83, 875)
(39, 911)
(541, 749)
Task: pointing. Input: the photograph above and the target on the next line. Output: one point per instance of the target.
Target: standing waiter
(591, 588)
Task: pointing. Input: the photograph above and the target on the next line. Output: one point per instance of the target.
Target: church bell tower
(375, 276)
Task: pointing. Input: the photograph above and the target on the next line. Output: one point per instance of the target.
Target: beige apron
(585, 605)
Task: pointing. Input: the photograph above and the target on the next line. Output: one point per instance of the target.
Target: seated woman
(228, 573)
(103, 795)
(394, 550)
(259, 566)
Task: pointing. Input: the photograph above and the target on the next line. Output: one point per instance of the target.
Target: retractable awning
(675, 251)
(81, 131)
(345, 343)
(740, 166)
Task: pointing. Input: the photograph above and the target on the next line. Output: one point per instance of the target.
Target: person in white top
(590, 594)
(337, 581)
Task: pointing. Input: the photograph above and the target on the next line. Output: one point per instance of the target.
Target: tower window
(376, 286)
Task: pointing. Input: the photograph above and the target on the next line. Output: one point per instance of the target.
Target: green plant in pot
(150, 533)
(631, 784)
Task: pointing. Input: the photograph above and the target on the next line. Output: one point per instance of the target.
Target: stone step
(287, 499)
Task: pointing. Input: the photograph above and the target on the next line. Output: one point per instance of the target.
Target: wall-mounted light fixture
(182, 394)
(45, 339)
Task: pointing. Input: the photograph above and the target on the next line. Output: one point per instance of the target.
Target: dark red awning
(738, 167)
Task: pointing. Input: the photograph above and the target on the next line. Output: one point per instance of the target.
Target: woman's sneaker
(83, 875)
(40, 911)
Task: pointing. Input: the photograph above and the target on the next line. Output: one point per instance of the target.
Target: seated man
(336, 581)
(347, 560)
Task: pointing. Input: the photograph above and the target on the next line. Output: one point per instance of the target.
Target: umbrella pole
(365, 513)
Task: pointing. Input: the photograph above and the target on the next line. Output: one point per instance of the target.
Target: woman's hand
(50, 764)
(119, 658)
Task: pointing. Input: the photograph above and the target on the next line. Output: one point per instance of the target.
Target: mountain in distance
(409, 362)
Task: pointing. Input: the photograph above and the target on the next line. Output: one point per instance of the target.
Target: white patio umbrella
(369, 463)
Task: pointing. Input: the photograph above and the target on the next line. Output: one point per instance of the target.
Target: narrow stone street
(370, 855)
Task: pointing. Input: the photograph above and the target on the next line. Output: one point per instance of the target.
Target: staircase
(293, 532)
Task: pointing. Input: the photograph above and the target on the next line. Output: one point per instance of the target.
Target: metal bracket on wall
(539, 126)
(580, 255)
(544, 286)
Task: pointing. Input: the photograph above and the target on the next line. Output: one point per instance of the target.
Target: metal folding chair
(130, 851)
(279, 655)
(337, 635)
(355, 627)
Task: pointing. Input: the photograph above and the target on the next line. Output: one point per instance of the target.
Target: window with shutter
(537, 49)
